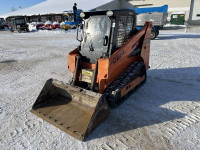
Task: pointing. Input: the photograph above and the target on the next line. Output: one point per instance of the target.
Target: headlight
(82, 15)
(109, 13)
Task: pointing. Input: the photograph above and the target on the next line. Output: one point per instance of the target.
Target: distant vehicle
(69, 19)
(39, 25)
(35, 26)
(3, 24)
(18, 24)
(51, 26)
(157, 15)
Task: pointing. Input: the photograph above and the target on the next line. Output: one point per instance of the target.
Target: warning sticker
(86, 75)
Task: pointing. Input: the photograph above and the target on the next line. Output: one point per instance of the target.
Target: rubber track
(113, 92)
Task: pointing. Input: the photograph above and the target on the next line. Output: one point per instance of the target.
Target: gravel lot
(162, 114)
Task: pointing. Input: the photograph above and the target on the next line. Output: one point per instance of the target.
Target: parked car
(51, 26)
(35, 26)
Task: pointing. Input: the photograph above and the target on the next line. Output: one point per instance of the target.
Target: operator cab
(103, 32)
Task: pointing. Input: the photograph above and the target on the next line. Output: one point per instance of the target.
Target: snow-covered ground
(162, 114)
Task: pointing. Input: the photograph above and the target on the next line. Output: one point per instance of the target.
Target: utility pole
(20, 4)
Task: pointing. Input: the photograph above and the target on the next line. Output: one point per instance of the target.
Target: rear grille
(124, 30)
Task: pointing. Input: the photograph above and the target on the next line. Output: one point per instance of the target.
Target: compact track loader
(111, 61)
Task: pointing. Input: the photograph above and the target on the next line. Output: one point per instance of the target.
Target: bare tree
(13, 9)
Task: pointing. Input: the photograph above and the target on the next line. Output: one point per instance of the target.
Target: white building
(190, 7)
(173, 5)
(195, 12)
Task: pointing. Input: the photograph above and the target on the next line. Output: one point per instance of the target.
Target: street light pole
(20, 4)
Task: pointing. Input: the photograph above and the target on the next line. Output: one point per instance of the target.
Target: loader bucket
(72, 109)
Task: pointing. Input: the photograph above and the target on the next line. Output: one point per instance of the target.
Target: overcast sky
(6, 5)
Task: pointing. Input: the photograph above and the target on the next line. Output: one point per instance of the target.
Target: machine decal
(86, 75)
(118, 56)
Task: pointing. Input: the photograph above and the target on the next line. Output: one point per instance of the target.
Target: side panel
(103, 70)
(131, 85)
(121, 59)
(145, 53)
(157, 18)
(71, 60)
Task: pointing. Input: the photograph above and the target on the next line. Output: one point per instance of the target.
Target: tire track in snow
(141, 138)
(192, 111)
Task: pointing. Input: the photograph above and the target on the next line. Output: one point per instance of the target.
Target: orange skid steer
(111, 60)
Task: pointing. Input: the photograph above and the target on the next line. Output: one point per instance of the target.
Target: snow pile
(56, 23)
(33, 25)
(48, 22)
(55, 6)
(173, 25)
(180, 12)
(55, 32)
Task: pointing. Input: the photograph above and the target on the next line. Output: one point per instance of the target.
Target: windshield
(95, 30)
(20, 21)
